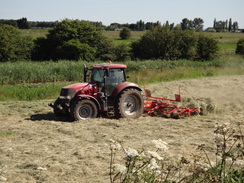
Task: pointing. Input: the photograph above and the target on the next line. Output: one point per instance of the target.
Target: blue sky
(124, 11)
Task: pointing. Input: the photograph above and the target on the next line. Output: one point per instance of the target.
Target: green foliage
(207, 48)
(23, 23)
(125, 33)
(122, 53)
(14, 46)
(163, 43)
(75, 50)
(28, 92)
(151, 71)
(240, 47)
(72, 35)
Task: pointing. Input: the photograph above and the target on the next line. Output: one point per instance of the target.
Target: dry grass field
(36, 146)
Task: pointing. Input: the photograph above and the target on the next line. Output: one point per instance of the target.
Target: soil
(36, 146)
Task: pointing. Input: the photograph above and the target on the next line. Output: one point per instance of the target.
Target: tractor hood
(68, 92)
(76, 86)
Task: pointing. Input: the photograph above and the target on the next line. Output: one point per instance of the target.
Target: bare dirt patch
(36, 146)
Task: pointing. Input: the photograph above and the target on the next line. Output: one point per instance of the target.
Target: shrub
(125, 33)
(14, 46)
(163, 43)
(75, 50)
(207, 48)
(75, 35)
(122, 53)
(240, 47)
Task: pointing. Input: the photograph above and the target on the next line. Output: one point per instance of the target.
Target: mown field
(37, 146)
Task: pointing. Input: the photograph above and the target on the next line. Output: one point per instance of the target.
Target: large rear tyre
(129, 104)
(83, 109)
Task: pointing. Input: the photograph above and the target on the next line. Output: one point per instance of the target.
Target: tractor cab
(107, 76)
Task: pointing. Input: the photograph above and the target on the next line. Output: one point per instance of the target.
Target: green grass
(27, 92)
(35, 32)
(33, 80)
(25, 80)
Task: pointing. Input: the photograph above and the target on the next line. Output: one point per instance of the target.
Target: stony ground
(36, 146)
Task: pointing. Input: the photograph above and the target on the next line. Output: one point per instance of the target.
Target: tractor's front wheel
(83, 109)
(58, 108)
(129, 104)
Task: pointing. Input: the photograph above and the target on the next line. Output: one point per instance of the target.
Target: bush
(125, 33)
(122, 53)
(75, 50)
(240, 47)
(163, 43)
(207, 48)
(14, 46)
(83, 39)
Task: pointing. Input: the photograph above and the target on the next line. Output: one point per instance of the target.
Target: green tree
(185, 24)
(240, 47)
(235, 26)
(198, 24)
(125, 33)
(9, 22)
(122, 53)
(160, 43)
(23, 23)
(230, 25)
(75, 50)
(14, 46)
(207, 48)
(140, 25)
(68, 35)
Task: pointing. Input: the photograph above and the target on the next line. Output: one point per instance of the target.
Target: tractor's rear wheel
(83, 109)
(129, 104)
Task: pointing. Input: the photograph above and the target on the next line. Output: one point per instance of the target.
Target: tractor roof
(108, 66)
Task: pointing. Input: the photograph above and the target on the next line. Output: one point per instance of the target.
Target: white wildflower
(131, 152)
(114, 146)
(119, 168)
(218, 138)
(162, 145)
(153, 164)
(152, 154)
(222, 129)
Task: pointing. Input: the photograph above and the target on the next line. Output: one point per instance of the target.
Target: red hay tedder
(163, 106)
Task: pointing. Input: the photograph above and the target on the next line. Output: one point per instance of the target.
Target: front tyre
(129, 104)
(58, 108)
(83, 109)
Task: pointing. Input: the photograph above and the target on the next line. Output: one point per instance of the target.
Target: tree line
(186, 24)
(225, 26)
(81, 40)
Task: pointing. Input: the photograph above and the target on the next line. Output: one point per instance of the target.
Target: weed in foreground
(157, 166)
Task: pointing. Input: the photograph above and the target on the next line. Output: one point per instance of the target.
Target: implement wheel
(83, 109)
(129, 104)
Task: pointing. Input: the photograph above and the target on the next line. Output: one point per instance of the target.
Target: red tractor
(106, 94)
